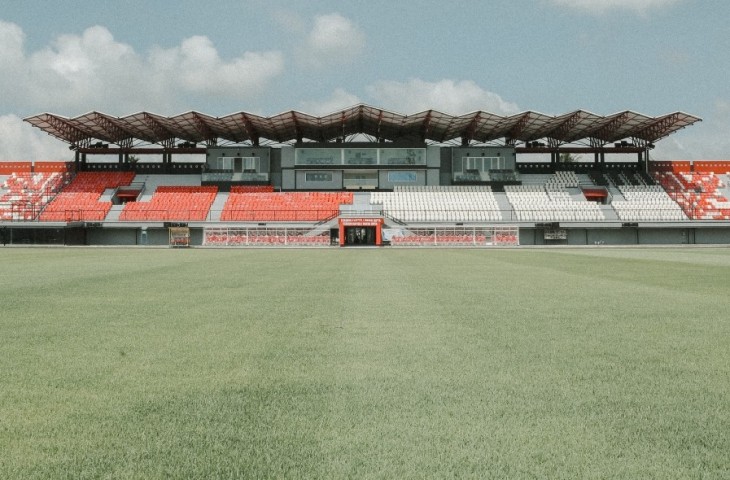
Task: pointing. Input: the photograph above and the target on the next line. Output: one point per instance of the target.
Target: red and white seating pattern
(697, 194)
(27, 193)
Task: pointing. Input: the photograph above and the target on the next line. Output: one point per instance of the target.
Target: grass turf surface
(157, 363)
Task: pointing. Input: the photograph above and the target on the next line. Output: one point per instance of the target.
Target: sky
(269, 56)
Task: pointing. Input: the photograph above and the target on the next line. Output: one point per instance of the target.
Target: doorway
(359, 235)
(360, 231)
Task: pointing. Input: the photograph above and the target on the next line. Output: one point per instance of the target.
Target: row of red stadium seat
(186, 189)
(79, 200)
(173, 203)
(286, 207)
(252, 188)
(99, 181)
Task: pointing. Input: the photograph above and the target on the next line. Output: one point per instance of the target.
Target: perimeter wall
(159, 236)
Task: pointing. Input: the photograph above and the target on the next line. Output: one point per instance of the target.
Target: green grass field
(364, 363)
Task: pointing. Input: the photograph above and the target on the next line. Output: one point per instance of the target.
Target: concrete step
(217, 207)
(114, 213)
(609, 213)
(505, 208)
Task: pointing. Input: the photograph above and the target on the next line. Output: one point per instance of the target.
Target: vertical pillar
(342, 234)
(640, 159)
(379, 233)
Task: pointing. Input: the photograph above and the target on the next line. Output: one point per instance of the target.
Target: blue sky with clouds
(552, 56)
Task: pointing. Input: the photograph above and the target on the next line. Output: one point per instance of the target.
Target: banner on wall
(360, 222)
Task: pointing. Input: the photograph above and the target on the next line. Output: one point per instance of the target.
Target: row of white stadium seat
(446, 205)
(646, 203)
(551, 202)
(442, 188)
(562, 179)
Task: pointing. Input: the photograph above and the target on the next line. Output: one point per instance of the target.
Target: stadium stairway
(113, 215)
(361, 201)
(584, 180)
(616, 193)
(107, 195)
(576, 194)
(360, 205)
(609, 213)
(217, 207)
(504, 206)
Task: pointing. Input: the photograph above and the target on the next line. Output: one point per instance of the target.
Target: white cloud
(337, 101)
(19, 141)
(11, 43)
(602, 6)
(448, 96)
(83, 72)
(196, 67)
(93, 71)
(333, 40)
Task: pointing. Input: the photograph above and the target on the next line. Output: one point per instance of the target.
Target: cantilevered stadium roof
(143, 128)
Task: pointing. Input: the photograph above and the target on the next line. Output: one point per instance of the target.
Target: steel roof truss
(114, 130)
(429, 125)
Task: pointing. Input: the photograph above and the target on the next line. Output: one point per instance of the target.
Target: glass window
(318, 156)
(402, 177)
(403, 156)
(225, 164)
(251, 164)
(480, 164)
(361, 156)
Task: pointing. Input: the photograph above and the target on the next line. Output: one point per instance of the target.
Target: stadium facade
(364, 176)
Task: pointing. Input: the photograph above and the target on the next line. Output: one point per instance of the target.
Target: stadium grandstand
(363, 176)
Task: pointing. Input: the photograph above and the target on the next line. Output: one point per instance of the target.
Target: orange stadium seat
(182, 203)
(79, 200)
(283, 207)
